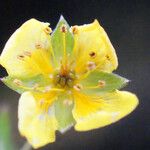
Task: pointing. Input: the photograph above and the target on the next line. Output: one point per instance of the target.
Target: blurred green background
(127, 23)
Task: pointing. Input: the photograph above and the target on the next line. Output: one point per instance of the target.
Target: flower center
(64, 81)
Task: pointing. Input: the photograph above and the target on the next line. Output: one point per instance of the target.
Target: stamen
(17, 82)
(74, 29)
(48, 30)
(51, 76)
(67, 102)
(78, 87)
(63, 28)
(91, 65)
(20, 57)
(108, 58)
(101, 83)
(69, 92)
(64, 60)
(27, 53)
(38, 46)
(92, 54)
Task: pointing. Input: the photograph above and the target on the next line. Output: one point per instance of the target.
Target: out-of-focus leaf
(5, 132)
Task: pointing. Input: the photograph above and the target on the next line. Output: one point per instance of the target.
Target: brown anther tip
(92, 54)
(91, 65)
(47, 30)
(20, 57)
(38, 46)
(101, 83)
(78, 87)
(63, 28)
(17, 82)
(108, 58)
(74, 29)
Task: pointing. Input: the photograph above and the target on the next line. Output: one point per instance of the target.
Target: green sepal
(63, 113)
(57, 41)
(36, 83)
(91, 83)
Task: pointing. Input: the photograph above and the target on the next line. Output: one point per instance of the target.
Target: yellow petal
(93, 45)
(37, 125)
(111, 107)
(28, 50)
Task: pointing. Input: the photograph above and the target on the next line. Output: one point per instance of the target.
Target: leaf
(97, 82)
(57, 40)
(36, 83)
(5, 132)
(63, 113)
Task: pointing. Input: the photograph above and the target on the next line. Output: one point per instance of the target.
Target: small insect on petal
(63, 28)
(78, 87)
(17, 82)
(101, 83)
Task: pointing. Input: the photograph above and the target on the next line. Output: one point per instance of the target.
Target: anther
(20, 57)
(74, 29)
(48, 30)
(108, 58)
(63, 28)
(78, 87)
(17, 82)
(101, 83)
(51, 76)
(67, 102)
(91, 65)
(38, 46)
(92, 54)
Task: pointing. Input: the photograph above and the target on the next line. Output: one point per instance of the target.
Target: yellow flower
(65, 79)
